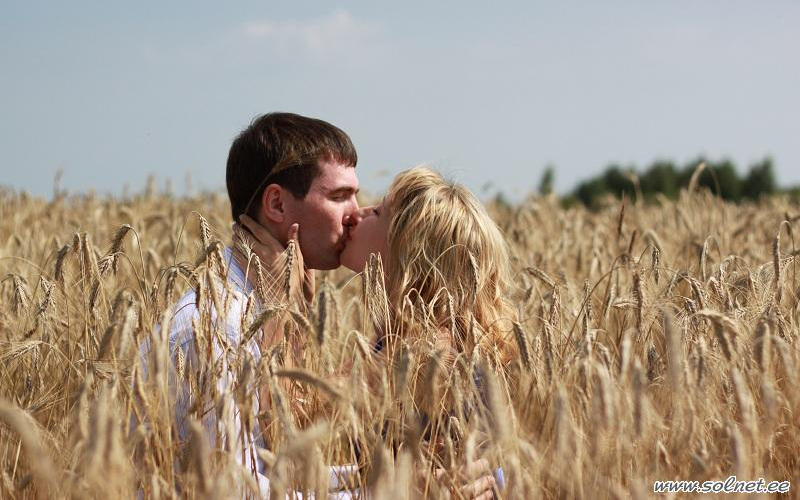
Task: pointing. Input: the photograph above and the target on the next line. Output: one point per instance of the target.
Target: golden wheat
(654, 341)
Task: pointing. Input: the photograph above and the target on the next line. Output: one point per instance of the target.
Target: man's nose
(358, 216)
(353, 219)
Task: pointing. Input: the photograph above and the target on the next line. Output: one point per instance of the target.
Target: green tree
(547, 181)
(661, 177)
(760, 180)
(721, 178)
(617, 181)
(588, 191)
(725, 178)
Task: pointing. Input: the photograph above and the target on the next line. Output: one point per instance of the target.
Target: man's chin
(321, 266)
(328, 264)
(325, 266)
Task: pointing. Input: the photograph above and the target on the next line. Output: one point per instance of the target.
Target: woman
(444, 267)
(440, 250)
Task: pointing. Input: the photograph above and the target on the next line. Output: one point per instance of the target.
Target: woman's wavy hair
(449, 263)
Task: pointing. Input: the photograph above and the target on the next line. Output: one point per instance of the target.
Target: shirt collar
(236, 274)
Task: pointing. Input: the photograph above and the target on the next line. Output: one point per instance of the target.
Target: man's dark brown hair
(283, 149)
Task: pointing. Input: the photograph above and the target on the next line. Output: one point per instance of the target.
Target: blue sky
(487, 92)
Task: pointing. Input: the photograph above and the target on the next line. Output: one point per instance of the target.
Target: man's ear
(273, 203)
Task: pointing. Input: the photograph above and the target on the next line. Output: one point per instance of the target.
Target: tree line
(667, 178)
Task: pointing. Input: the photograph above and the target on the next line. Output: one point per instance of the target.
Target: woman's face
(369, 235)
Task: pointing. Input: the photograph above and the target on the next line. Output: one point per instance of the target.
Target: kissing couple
(429, 247)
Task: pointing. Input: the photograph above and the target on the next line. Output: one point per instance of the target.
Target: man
(287, 169)
(292, 180)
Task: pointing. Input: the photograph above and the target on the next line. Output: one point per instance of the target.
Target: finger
(479, 487)
(294, 230)
(478, 468)
(486, 495)
(294, 233)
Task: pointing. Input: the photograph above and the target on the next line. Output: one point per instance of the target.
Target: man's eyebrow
(347, 189)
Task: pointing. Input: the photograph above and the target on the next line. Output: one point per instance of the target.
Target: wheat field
(654, 341)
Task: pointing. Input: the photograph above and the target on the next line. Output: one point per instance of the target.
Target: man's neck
(277, 232)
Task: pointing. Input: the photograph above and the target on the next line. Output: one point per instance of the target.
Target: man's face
(324, 213)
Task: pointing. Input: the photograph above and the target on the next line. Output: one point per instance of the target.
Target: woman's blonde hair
(448, 259)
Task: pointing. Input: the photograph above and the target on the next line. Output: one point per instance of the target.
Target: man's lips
(344, 240)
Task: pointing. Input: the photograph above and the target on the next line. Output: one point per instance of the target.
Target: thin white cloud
(334, 33)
